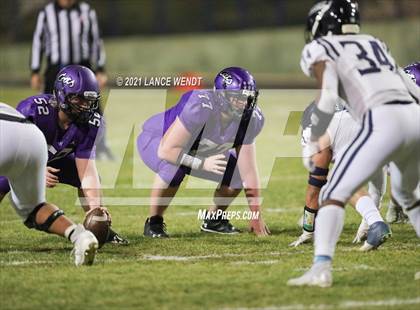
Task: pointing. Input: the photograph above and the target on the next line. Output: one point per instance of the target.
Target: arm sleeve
(86, 148)
(97, 46)
(195, 113)
(314, 52)
(37, 43)
(28, 109)
(255, 126)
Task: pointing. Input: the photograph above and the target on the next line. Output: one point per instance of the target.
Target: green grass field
(193, 270)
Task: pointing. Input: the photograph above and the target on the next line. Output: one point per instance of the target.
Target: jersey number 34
(376, 52)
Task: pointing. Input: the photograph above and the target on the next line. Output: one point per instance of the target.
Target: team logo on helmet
(411, 75)
(227, 78)
(66, 79)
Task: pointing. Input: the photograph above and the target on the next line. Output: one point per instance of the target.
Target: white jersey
(366, 71)
(8, 110)
(341, 131)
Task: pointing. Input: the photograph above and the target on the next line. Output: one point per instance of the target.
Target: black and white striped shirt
(67, 36)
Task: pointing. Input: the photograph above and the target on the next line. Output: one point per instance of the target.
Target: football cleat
(219, 227)
(305, 237)
(362, 232)
(319, 275)
(378, 233)
(155, 227)
(395, 214)
(115, 238)
(85, 248)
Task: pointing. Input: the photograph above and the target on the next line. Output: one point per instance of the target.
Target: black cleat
(115, 238)
(219, 227)
(155, 227)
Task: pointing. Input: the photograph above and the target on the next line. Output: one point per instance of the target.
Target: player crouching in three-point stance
(209, 134)
(341, 130)
(23, 158)
(70, 125)
(379, 95)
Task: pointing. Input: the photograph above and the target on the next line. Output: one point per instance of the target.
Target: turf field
(193, 270)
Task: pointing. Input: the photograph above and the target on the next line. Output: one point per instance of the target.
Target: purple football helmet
(413, 72)
(77, 92)
(236, 84)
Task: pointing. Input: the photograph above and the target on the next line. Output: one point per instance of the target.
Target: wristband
(192, 162)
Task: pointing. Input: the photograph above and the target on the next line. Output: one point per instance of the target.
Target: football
(97, 221)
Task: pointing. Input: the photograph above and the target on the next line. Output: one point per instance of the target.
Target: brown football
(98, 223)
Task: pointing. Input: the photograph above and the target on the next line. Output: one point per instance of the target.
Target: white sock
(414, 216)
(329, 224)
(72, 232)
(367, 209)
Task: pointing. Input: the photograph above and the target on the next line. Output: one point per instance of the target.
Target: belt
(399, 102)
(12, 118)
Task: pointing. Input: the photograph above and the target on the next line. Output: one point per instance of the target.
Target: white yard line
(25, 262)
(261, 262)
(348, 304)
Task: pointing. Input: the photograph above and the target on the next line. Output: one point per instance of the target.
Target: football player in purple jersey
(70, 125)
(209, 134)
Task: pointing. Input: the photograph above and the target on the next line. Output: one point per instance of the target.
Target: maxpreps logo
(66, 79)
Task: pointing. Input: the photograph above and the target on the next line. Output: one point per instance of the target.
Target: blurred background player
(379, 95)
(340, 131)
(395, 213)
(70, 125)
(23, 158)
(209, 134)
(67, 32)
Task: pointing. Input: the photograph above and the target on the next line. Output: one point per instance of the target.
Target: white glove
(310, 149)
(305, 237)
(362, 232)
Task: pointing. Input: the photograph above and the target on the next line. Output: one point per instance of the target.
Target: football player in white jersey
(340, 132)
(23, 158)
(382, 98)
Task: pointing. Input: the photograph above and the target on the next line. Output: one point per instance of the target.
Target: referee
(66, 33)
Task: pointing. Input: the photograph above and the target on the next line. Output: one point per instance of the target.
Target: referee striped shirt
(67, 36)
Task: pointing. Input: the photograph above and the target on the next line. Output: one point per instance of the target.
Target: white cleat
(362, 232)
(85, 248)
(417, 276)
(319, 275)
(395, 214)
(305, 237)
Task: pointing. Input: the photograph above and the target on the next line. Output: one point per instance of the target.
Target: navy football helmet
(332, 17)
(235, 83)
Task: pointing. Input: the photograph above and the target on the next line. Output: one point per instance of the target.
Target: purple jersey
(201, 115)
(77, 139)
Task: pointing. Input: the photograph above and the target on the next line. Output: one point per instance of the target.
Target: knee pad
(31, 220)
(321, 172)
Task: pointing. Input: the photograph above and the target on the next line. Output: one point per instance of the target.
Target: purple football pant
(147, 146)
(68, 171)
